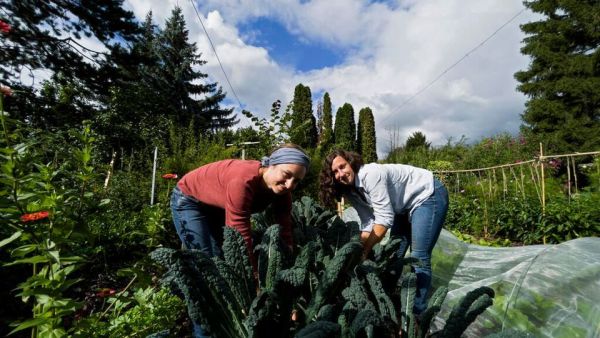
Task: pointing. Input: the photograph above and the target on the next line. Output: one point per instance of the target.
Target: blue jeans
(199, 226)
(422, 233)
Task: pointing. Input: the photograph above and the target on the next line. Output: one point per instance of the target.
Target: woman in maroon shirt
(228, 192)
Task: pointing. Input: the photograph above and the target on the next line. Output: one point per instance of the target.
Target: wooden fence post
(110, 169)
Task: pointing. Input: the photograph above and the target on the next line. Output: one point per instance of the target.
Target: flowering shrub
(45, 206)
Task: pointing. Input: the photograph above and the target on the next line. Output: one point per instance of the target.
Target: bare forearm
(374, 237)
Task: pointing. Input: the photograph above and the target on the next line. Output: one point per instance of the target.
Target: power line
(217, 55)
(395, 110)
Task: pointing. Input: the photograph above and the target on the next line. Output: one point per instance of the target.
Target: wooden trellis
(536, 170)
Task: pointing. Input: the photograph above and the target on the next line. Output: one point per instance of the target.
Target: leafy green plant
(273, 131)
(138, 314)
(45, 206)
(328, 288)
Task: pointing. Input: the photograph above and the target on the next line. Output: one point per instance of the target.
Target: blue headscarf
(286, 156)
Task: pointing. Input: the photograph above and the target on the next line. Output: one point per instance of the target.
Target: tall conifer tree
(303, 126)
(326, 140)
(345, 128)
(136, 101)
(186, 99)
(561, 82)
(365, 136)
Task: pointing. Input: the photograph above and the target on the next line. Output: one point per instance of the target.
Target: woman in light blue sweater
(383, 196)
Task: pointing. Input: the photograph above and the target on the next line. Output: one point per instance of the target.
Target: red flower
(105, 292)
(4, 27)
(36, 216)
(169, 176)
(5, 90)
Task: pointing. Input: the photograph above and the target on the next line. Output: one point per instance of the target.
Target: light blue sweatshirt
(388, 190)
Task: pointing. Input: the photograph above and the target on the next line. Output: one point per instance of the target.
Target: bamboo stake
(575, 175)
(515, 178)
(522, 181)
(518, 185)
(340, 207)
(569, 177)
(490, 188)
(495, 182)
(504, 186)
(485, 214)
(535, 184)
(153, 176)
(543, 183)
(457, 182)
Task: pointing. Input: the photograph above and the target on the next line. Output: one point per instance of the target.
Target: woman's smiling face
(281, 178)
(342, 171)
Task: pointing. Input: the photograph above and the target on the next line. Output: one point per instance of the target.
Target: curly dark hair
(330, 190)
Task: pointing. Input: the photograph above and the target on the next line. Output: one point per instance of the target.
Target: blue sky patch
(288, 49)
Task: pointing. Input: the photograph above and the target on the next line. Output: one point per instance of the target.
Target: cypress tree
(345, 128)
(303, 124)
(561, 82)
(365, 137)
(326, 140)
(319, 121)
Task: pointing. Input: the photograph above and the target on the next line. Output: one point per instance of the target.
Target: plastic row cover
(545, 290)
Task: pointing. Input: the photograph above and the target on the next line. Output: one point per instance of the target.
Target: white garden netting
(545, 290)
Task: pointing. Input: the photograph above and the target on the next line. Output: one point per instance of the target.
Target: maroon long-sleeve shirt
(237, 187)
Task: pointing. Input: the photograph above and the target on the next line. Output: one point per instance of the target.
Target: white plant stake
(153, 176)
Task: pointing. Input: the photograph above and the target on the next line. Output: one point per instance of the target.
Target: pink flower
(36, 216)
(169, 176)
(4, 27)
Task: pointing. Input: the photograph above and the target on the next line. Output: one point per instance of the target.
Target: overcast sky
(368, 53)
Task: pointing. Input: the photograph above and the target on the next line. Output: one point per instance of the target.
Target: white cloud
(393, 53)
